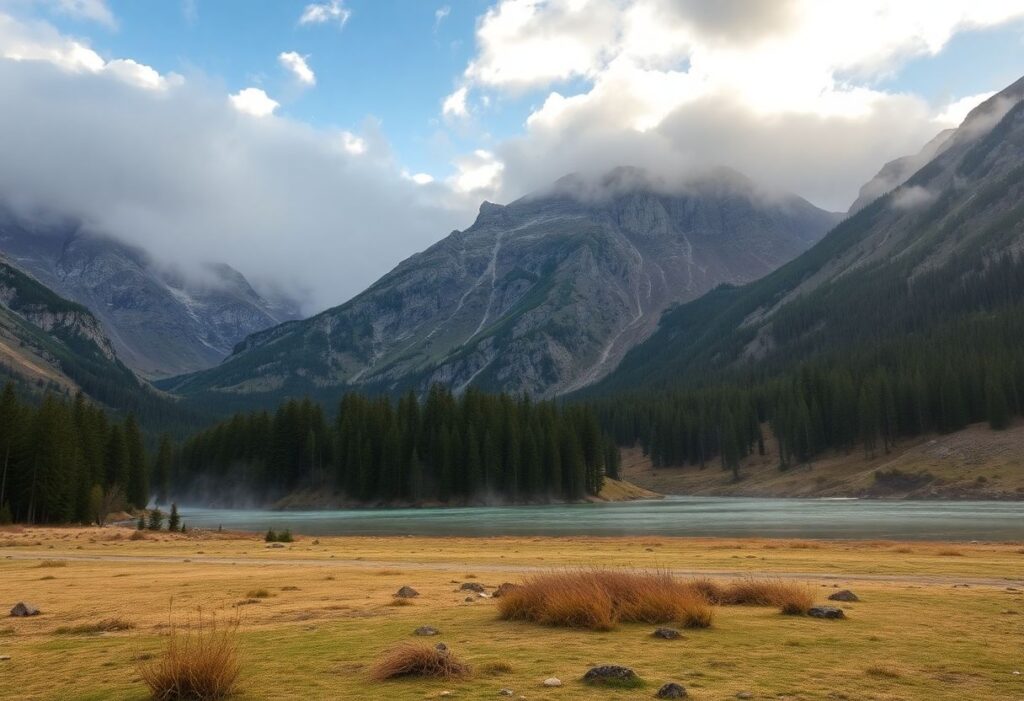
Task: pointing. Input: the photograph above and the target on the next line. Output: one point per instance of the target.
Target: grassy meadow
(936, 620)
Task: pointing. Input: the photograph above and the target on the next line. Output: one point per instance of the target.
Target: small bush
(793, 598)
(200, 663)
(418, 660)
(600, 599)
(257, 594)
(108, 625)
(497, 668)
(273, 536)
(138, 535)
(53, 563)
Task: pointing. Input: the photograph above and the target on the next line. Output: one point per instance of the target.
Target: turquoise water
(675, 516)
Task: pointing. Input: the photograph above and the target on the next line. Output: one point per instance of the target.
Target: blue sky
(184, 126)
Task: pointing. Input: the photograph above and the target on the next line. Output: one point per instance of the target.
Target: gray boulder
(825, 612)
(472, 586)
(610, 674)
(22, 609)
(671, 691)
(427, 630)
(844, 595)
(666, 633)
(406, 592)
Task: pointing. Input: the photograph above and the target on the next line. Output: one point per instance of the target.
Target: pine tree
(174, 520)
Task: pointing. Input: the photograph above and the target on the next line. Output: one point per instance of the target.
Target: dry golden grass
(601, 599)
(200, 663)
(791, 597)
(257, 594)
(418, 660)
(107, 625)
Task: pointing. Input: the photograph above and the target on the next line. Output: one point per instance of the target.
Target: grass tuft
(257, 594)
(52, 563)
(601, 599)
(791, 597)
(400, 602)
(497, 668)
(200, 663)
(418, 660)
(107, 625)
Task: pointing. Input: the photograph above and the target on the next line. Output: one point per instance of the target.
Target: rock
(504, 588)
(445, 693)
(23, 609)
(609, 673)
(825, 612)
(275, 545)
(427, 630)
(4, 658)
(844, 595)
(666, 633)
(552, 681)
(441, 647)
(406, 592)
(671, 691)
(469, 599)
(472, 586)
(506, 692)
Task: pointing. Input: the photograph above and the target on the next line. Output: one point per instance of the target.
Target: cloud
(783, 90)
(296, 63)
(91, 10)
(38, 41)
(455, 104)
(182, 173)
(913, 197)
(440, 14)
(956, 111)
(324, 12)
(254, 101)
(479, 172)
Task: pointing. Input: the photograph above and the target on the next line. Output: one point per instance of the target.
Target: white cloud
(455, 104)
(955, 112)
(913, 197)
(254, 101)
(418, 178)
(781, 89)
(296, 63)
(37, 41)
(478, 173)
(353, 144)
(440, 14)
(92, 10)
(321, 13)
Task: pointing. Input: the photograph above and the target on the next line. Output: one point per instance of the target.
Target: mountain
(160, 323)
(898, 171)
(934, 263)
(543, 295)
(49, 342)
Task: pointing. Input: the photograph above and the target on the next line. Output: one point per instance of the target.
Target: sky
(314, 145)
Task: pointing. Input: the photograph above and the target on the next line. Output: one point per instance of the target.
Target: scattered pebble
(666, 633)
(552, 681)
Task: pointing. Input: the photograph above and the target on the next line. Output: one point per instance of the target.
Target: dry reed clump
(418, 660)
(200, 662)
(600, 599)
(792, 598)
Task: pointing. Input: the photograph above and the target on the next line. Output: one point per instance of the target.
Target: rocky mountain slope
(159, 322)
(941, 249)
(543, 295)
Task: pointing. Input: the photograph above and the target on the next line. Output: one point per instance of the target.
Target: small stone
(552, 681)
(671, 691)
(825, 612)
(406, 592)
(427, 630)
(666, 633)
(504, 588)
(22, 609)
(606, 673)
(472, 586)
(275, 545)
(844, 595)
(445, 693)
(4, 658)
(469, 599)
(506, 692)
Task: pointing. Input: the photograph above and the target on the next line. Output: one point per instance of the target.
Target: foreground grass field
(936, 621)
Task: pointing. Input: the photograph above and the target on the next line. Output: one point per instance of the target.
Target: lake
(674, 516)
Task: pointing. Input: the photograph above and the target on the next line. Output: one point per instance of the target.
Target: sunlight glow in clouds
(254, 101)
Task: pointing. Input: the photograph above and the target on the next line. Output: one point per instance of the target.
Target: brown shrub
(709, 590)
(200, 663)
(400, 602)
(257, 594)
(792, 597)
(53, 563)
(949, 553)
(418, 660)
(600, 599)
(137, 535)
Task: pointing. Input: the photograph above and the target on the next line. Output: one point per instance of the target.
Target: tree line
(443, 448)
(65, 460)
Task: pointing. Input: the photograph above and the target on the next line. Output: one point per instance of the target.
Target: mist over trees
(445, 448)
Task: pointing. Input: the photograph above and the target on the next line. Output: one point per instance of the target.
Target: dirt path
(924, 580)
